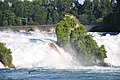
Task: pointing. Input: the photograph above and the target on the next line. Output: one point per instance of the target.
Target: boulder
(53, 46)
(11, 66)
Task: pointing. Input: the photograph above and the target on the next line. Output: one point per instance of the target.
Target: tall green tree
(87, 5)
(9, 16)
(105, 7)
(96, 8)
(88, 8)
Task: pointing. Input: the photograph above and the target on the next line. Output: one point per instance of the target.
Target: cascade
(33, 49)
(38, 49)
(112, 46)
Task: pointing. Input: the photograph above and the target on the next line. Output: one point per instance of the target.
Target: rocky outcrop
(11, 66)
(72, 34)
(53, 46)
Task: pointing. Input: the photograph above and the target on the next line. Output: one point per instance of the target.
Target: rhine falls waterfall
(32, 49)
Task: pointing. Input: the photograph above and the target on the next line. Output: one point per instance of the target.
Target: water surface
(61, 74)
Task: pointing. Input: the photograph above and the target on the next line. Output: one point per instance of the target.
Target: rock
(11, 66)
(52, 45)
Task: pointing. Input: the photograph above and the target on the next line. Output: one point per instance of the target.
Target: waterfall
(38, 49)
(33, 50)
(112, 46)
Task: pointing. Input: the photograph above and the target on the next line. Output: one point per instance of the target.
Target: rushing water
(35, 59)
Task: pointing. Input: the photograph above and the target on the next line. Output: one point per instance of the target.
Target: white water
(112, 45)
(33, 50)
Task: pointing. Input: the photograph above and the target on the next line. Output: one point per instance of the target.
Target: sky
(81, 1)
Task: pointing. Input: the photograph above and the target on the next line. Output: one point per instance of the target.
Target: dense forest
(25, 12)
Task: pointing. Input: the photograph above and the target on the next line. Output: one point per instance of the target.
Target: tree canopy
(13, 12)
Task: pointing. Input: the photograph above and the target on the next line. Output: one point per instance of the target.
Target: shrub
(5, 55)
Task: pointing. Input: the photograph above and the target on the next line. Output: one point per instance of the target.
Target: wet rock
(11, 66)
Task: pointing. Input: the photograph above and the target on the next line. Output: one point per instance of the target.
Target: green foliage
(63, 30)
(39, 11)
(88, 47)
(5, 23)
(96, 9)
(105, 7)
(52, 11)
(87, 4)
(110, 23)
(85, 47)
(17, 21)
(99, 20)
(5, 55)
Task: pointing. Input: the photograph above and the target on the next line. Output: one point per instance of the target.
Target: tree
(105, 7)
(96, 8)
(88, 8)
(36, 11)
(9, 16)
(87, 5)
(1, 18)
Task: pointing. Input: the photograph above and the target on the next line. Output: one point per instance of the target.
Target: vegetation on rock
(71, 33)
(5, 55)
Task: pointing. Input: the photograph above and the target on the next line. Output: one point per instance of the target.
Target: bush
(5, 23)
(5, 55)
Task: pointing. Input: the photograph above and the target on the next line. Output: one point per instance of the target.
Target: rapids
(31, 50)
(112, 45)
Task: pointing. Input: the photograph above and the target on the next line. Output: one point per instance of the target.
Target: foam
(112, 45)
(33, 50)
